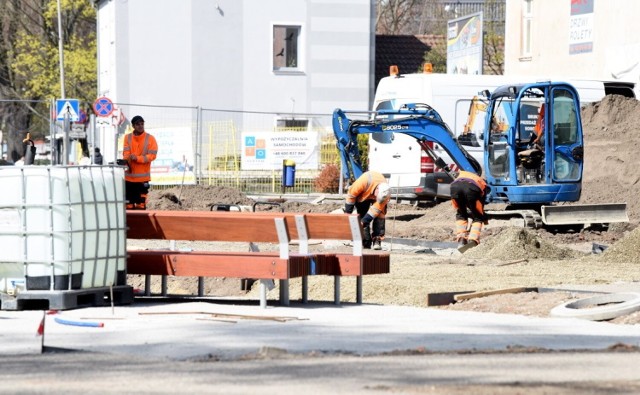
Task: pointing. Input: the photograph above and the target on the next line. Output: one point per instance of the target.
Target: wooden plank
(329, 226)
(201, 225)
(320, 226)
(216, 264)
(481, 294)
(348, 265)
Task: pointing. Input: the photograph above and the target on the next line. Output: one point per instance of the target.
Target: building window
(285, 48)
(527, 28)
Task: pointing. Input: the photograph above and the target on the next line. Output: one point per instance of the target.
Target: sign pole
(65, 141)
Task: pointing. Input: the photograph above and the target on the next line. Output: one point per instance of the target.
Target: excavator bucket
(586, 214)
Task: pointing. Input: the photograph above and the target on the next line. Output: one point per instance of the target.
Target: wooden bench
(300, 227)
(215, 226)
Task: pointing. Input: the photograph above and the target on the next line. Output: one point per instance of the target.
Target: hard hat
(384, 191)
(136, 119)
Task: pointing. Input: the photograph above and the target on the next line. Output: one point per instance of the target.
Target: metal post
(200, 286)
(341, 180)
(61, 52)
(65, 139)
(115, 142)
(197, 166)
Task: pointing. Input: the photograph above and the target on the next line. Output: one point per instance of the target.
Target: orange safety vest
(145, 148)
(473, 178)
(364, 189)
(539, 128)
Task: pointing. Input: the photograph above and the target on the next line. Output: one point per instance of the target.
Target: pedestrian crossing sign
(68, 107)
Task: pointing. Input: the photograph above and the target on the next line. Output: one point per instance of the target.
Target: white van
(410, 171)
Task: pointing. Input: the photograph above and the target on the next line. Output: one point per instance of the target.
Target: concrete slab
(191, 330)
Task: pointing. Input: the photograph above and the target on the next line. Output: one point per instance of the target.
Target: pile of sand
(625, 250)
(611, 137)
(519, 243)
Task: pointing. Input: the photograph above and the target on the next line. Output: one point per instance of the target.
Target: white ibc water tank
(62, 227)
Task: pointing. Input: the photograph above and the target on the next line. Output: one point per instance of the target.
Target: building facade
(256, 55)
(589, 39)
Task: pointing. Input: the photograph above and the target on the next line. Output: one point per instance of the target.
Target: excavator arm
(419, 121)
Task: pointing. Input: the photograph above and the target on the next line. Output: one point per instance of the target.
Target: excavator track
(530, 218)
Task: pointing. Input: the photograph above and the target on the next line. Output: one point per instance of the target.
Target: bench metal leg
(284, 292)
(147, 285)
(336, 290)
(163, 285)
(305, 289)
(359, 289)
(200, 286)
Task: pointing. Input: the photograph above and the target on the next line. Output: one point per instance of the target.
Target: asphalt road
(494, 373)
(233, 348)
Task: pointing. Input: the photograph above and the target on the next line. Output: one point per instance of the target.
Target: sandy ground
(508, 256)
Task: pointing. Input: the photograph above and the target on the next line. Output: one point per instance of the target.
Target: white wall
(616, 43)
(218, 54)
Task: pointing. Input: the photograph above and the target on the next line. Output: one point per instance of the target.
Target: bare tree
(395, 16)
(430, 17)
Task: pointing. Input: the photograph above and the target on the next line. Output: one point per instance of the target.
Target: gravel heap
(625, 250)
(519, 243)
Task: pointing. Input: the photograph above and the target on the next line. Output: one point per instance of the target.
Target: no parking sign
(103, 107)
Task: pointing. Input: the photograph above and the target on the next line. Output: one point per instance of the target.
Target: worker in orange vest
(467, 197)
(369, 195)
(537, 139)
(140, 149)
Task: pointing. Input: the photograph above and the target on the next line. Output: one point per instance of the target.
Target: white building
(253, 55)
(585, 39)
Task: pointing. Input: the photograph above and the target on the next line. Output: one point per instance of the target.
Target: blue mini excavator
(533, 161)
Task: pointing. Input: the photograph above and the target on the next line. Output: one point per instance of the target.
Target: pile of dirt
(611, 136)
(196, 198)
(519, 243)
(625, 250)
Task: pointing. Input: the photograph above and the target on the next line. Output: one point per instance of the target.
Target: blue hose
(79, 323)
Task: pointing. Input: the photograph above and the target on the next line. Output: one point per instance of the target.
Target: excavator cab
(549, 170)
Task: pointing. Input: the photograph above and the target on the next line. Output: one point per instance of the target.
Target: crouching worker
(369, 195)
(467, 196)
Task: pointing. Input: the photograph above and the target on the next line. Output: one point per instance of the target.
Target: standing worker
(140, 149)
(467, 196)
(369, 195)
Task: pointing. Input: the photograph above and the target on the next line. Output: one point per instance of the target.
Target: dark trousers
(136, 193)
(374, 230)
(468, 197)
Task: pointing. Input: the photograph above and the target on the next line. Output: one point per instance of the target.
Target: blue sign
(103, 107)
(68, 107)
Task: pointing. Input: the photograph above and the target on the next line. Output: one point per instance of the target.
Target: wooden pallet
(67, 300)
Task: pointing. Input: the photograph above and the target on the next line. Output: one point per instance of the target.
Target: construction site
(433, 320)
(509, 258)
